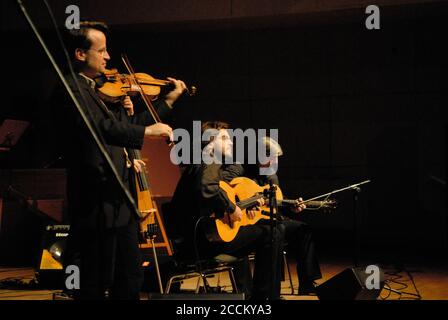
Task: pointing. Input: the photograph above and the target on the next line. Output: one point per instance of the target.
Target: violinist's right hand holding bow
(159, 130)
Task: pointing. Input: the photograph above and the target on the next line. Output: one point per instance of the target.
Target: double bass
(111, 86)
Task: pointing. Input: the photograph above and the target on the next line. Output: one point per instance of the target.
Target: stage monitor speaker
(51, 263)
(350, 284)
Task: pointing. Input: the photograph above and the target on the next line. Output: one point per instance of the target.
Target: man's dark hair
(218, 125)
(78, 39)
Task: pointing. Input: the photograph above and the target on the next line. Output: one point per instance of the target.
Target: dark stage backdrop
(350, 104)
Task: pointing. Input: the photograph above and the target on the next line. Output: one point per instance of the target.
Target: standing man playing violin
(103, 239)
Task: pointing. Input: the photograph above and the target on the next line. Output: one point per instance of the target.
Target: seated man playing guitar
(198, 196)
(298, 235)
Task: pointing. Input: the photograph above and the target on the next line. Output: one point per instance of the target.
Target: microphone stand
(353, 186)
(151, 231)
(356, 220)
(273, 211)
(356, 225)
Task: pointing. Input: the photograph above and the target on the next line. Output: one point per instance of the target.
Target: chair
(202, 269)
(193, 271)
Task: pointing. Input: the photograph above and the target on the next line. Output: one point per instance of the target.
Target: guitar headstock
(326, 206)
(330, 204)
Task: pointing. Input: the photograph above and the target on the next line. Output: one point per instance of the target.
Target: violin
(115, 85)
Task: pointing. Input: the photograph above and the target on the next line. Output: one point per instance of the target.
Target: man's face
(223, 143)
(95, 58)
(268, 166)
(267, 162)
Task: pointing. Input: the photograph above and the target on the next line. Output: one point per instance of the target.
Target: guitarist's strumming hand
(299, 206)
(237, 215)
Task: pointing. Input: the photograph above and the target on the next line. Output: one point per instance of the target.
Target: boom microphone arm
(81, 112)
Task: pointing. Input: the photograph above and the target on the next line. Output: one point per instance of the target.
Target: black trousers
(109, 260)
(256, 239)
(300, 245)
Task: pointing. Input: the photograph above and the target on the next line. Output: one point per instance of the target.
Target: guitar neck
(244, 204)
(309, 204)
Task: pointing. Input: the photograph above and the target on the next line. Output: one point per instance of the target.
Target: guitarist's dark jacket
(197, 195)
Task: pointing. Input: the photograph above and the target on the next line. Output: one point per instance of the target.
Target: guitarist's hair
(272, 146)
(217, 125)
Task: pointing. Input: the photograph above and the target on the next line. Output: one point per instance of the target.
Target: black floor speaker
(350, 284)
(50, 273)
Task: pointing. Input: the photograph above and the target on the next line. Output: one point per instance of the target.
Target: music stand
(10, 132)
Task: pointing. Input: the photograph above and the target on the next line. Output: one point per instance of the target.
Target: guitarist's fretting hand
(253, 210)
(299, 206)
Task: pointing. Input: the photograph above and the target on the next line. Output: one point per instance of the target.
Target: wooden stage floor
(431, 282)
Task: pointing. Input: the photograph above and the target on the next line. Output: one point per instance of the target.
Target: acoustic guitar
(245, 193)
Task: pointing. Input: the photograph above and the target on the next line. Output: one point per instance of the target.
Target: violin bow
(147, 101)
